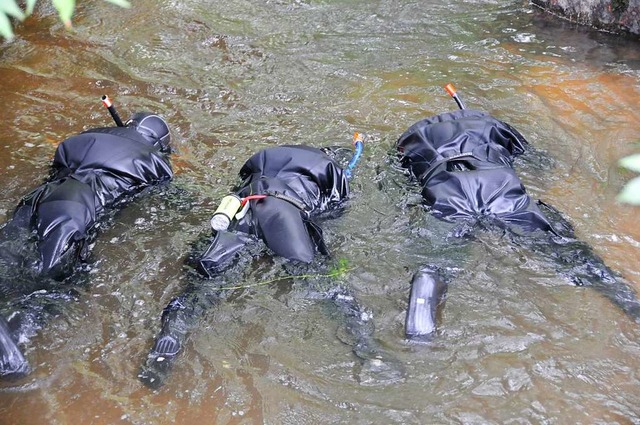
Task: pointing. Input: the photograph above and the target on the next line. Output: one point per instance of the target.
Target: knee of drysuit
(221, 252)
(427, 291)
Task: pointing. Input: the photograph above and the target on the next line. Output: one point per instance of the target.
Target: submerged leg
(357, 323)
(375, 366)
(12, 362)
(226, 252)
(578, 262)
(178, 317)
(28, 316)
(428, 290)
(223, 250)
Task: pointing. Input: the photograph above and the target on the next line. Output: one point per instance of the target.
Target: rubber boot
(427, 292)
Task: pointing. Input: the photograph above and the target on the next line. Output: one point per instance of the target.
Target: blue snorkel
(358, 143)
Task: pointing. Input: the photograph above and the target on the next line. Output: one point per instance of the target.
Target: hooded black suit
(463, 161)
(300, 183)
(51, 228)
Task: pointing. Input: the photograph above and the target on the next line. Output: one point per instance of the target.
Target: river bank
(614, 16)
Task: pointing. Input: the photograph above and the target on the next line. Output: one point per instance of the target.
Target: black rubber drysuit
(300, 183)
(463, 162)
(92, 173)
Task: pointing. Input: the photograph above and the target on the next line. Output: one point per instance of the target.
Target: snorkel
(112, 110)
(452, 92)
(358, 144)
(152, 127)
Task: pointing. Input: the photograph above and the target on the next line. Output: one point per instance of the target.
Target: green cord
(340, 270)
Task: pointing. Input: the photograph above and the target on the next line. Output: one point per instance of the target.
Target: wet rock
(616, 16)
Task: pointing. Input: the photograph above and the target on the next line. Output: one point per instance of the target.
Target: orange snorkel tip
(452, 92)
(450, 89)
(112, 110)
(358, 137)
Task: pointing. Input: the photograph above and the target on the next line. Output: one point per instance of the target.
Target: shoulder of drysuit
(291, 162)
(468, 119)
(446, 116)
(312, 156)
(124, 133)
(116, 148)
(469, 115)
(106, 141)
(299, 158)
(304, 148)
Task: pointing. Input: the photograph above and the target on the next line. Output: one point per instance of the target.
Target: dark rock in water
(615, 16)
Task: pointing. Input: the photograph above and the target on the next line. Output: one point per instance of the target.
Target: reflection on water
(517, 343)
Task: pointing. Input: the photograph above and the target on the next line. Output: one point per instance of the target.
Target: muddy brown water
(517, 343)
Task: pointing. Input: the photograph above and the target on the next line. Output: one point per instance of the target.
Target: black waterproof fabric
(300, 182)
(92, 173)
(463, 160)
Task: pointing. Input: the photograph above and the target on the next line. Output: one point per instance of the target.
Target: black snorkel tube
(452, 92)
(112, 110)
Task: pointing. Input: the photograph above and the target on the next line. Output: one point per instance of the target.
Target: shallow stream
(517, 343)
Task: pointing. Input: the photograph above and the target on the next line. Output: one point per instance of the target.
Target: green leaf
(5, 27)
(11, 8)
(631, 162)
(340, 269)
(30, 5)
(121, 3)
(65, 10)
(630, 194)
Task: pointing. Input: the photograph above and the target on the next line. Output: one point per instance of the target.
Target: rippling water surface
(517, 343)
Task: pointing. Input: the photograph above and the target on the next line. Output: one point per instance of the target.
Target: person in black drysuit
(92, 174)
(300, 183)
(463, 162)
